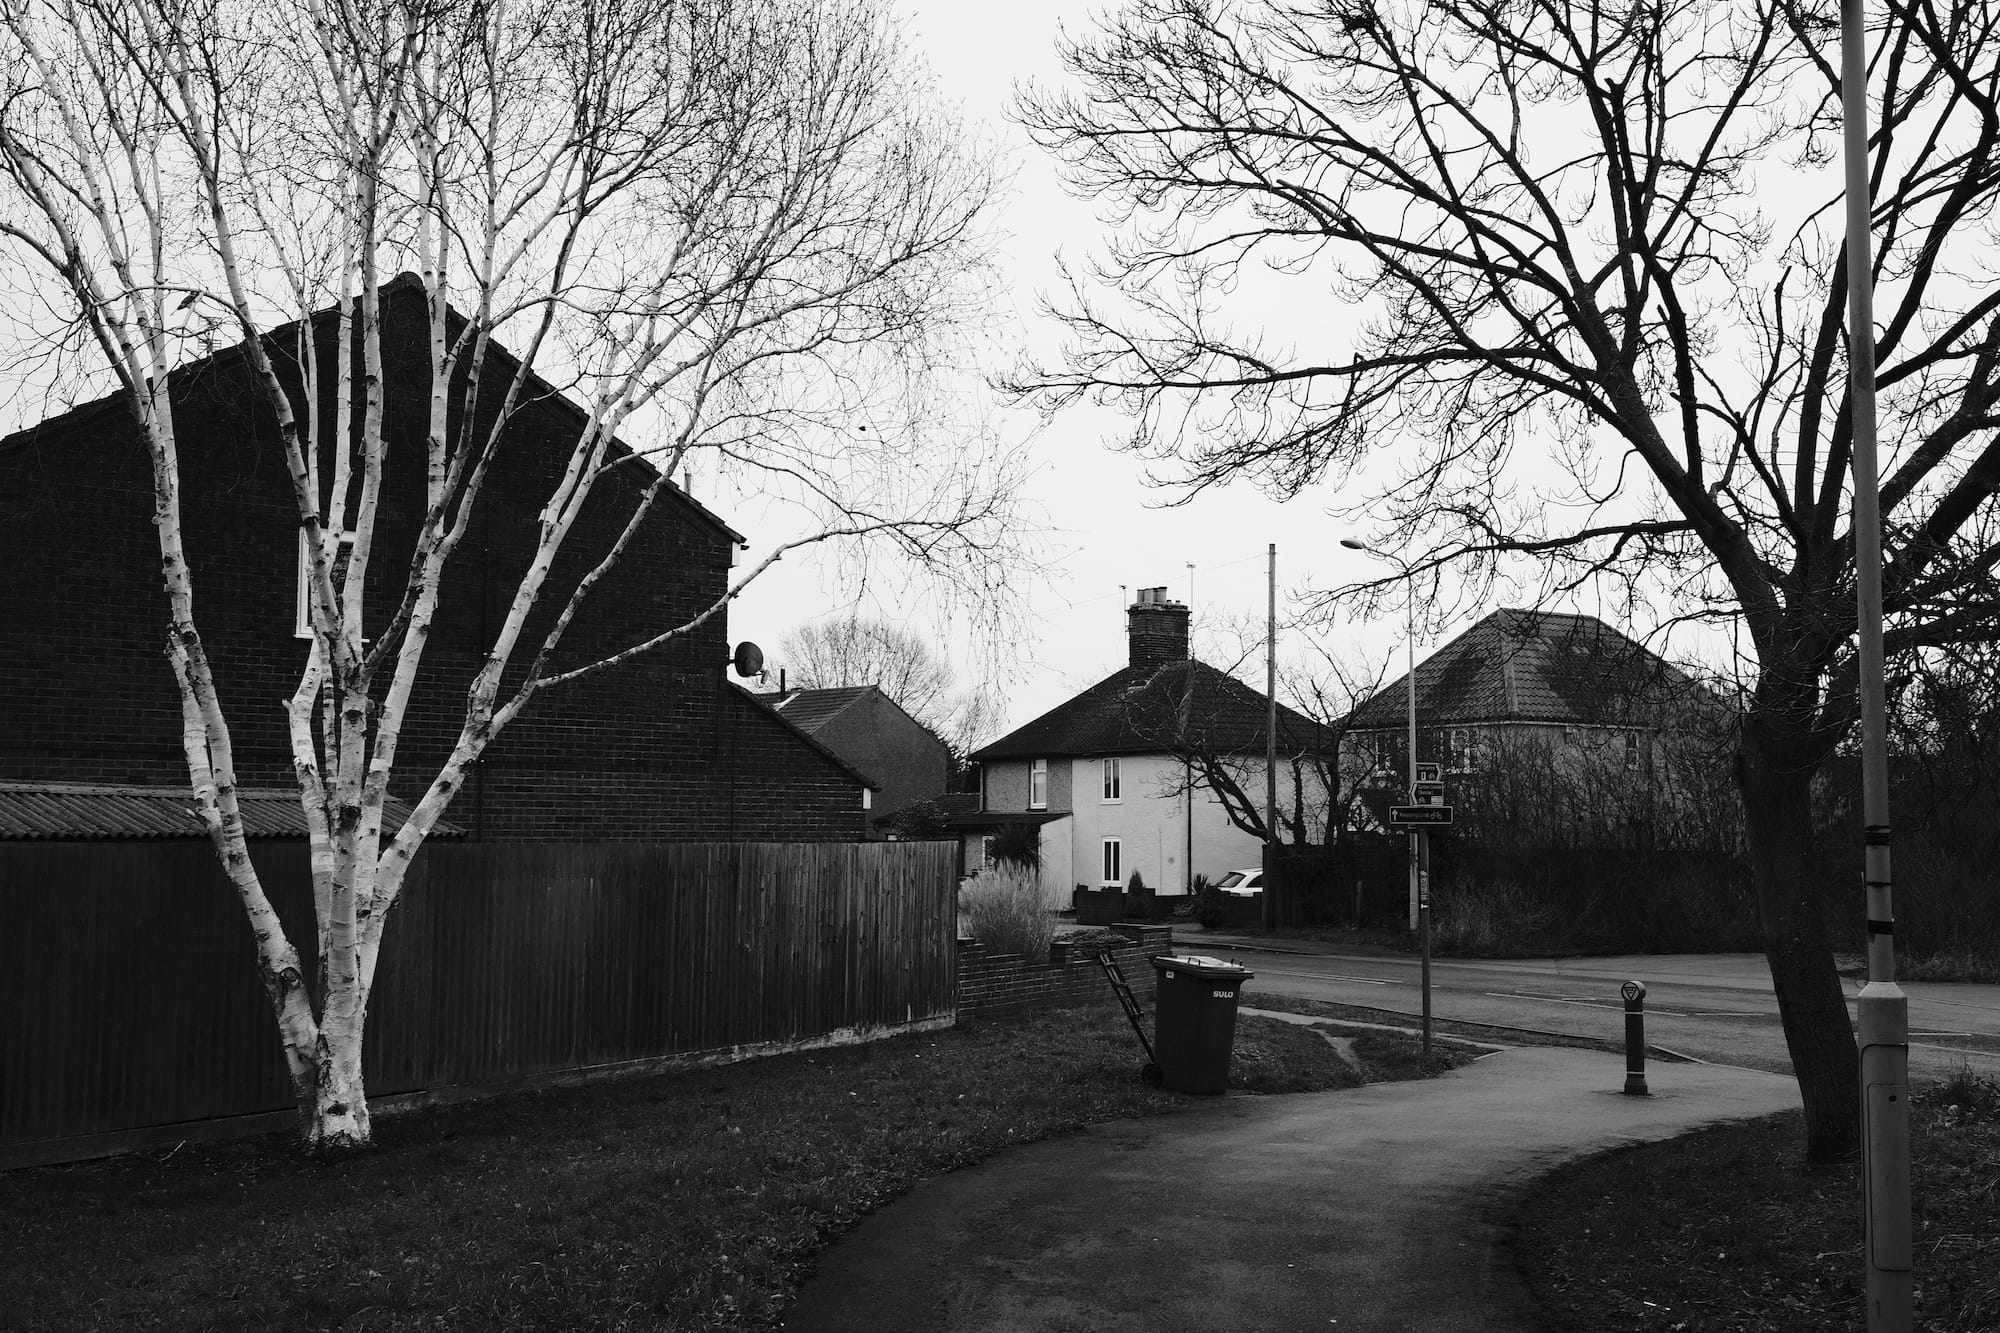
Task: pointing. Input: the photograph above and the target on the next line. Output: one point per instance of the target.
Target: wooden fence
(128, 998)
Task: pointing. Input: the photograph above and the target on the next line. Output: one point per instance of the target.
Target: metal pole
(1187, 765)
(1424, 930)
(1634, 993)
(1410, 694)
(1271, 747)
(1883, 1011)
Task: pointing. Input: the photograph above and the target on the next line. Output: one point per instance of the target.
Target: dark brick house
(872, 732)
(664, 747)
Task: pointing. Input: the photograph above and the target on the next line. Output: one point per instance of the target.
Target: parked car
(1242, 883)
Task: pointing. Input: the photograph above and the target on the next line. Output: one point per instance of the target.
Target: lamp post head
(1354, 545)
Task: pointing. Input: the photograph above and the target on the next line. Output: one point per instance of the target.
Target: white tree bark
(724, 229)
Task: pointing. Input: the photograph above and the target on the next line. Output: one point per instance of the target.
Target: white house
(1140, 771)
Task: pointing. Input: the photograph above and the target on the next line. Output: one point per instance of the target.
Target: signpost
(1430, 793)
(1419, 816)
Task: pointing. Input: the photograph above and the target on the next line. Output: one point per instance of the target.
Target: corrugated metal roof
(83, 810)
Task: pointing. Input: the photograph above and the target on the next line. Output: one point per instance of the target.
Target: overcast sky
(1106, 526)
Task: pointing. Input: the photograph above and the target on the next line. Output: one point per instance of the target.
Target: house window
(1113, 868)
(302, 598)
(1632, 749)
(1461, 749)
(1112, 788)
(985, 852)
(1038, 785)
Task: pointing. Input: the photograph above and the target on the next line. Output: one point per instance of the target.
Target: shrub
(1138, 898)
(1211, 908)
(1017, 845)
(1004, 910)
(1496, 917)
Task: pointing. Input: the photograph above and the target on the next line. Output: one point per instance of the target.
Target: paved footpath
(1380, 1208)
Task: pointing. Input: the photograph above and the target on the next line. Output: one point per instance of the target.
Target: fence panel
(128, 998)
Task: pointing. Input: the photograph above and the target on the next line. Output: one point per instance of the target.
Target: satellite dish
(748, 659)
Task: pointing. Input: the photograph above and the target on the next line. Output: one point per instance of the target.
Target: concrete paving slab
(1380, 1208)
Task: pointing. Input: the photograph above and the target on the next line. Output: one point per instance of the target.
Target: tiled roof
(809, 710)
(1536, 666)
(65, 810)
(770, 704)
(1138, 712)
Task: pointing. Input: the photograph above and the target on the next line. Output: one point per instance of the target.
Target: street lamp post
(1420, 896)
(1882, 1011)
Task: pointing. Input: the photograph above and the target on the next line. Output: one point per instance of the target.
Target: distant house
(1140, 772)
(872, 732)
(662, 747)
(1550, 724)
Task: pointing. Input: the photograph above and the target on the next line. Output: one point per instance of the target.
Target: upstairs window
(1113, 789)
(302, 627)
(1460, 740)
(1038, 785)
(1632, 749)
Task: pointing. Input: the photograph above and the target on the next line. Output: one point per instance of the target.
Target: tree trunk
(335, 1119)
(1776, 774)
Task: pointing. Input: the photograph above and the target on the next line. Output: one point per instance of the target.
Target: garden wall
(992, 985)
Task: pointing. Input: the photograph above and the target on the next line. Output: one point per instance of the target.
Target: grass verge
(1728, 1231)
(695, 1200)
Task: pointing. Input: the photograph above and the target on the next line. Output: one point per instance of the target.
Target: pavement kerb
(1312, 1020)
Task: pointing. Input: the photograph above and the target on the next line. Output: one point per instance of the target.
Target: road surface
(1714, 1007)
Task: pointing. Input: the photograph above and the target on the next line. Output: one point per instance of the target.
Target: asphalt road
(1714, 1007)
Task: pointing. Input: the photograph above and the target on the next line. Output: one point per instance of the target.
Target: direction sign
(1419, 816)
(1430, 793)
(1430, 773)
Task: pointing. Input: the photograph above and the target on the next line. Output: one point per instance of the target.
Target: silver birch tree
(723, 229)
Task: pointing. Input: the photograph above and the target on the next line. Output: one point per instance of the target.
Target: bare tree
(723, 229)
(1589, 259)
(867, 650)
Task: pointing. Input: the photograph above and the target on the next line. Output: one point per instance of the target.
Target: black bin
(1194, 1021)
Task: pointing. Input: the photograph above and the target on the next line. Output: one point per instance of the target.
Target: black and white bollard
(1635, 1037)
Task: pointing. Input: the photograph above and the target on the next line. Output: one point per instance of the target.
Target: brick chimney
(1156, 629)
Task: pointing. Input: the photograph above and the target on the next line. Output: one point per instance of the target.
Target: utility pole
(1271, 745)
(1187, 765)
(1883, 1012)
(1420, 844)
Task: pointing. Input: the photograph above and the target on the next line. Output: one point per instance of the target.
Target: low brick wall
(992, 985)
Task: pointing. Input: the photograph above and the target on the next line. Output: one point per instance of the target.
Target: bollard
(1635, 1037)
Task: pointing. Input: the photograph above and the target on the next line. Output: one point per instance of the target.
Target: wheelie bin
(1194, 1021)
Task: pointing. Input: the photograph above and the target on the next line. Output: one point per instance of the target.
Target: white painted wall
(1150, 822)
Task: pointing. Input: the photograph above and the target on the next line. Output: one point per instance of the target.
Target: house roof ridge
(81, 414)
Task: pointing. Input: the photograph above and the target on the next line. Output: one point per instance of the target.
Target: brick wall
(630, 753)
(999, 984)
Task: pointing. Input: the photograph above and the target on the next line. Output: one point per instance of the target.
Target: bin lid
(1201, 965)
